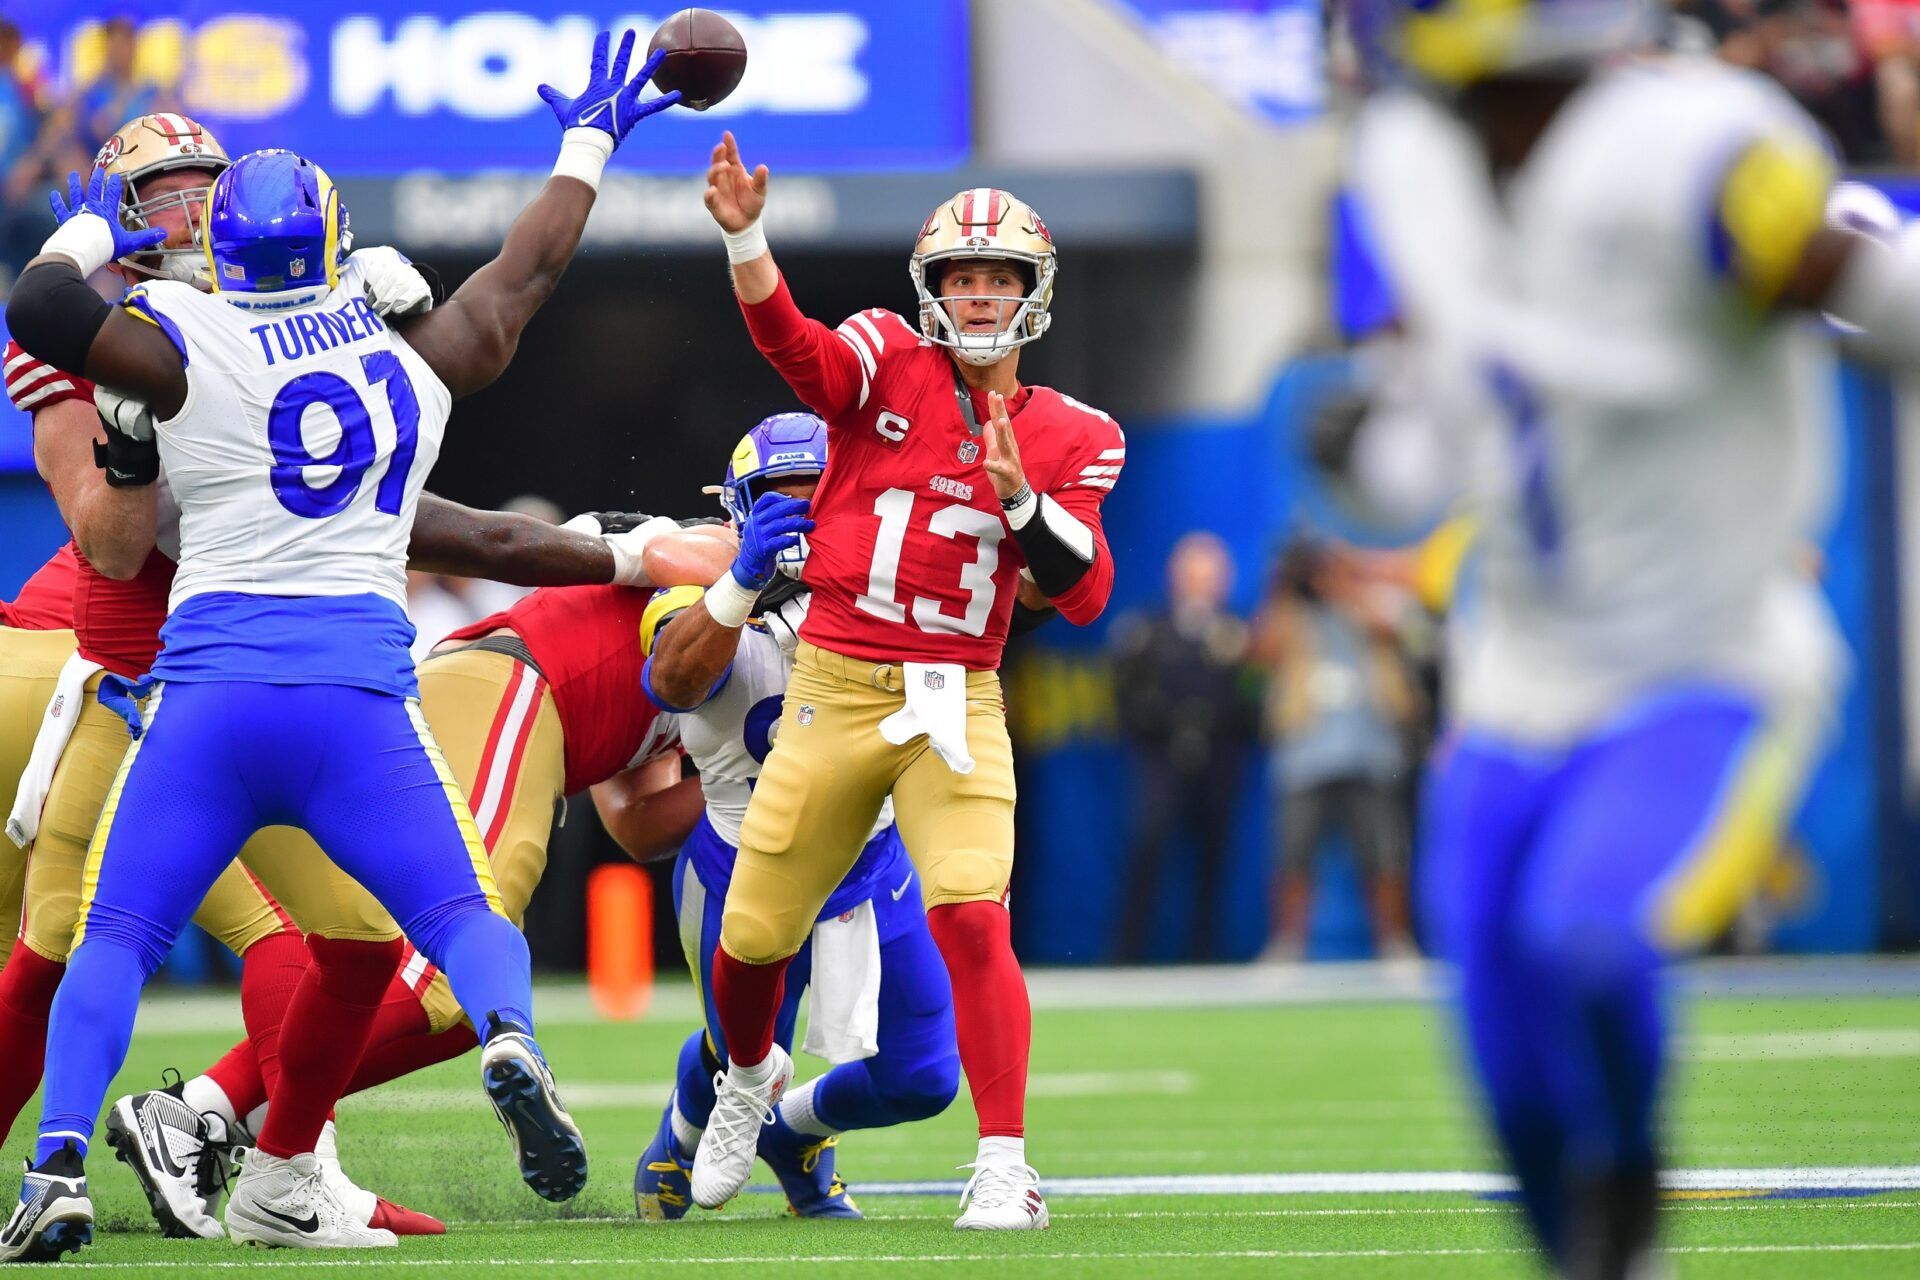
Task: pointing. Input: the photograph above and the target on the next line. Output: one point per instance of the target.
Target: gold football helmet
(142, 149)
(984, 222)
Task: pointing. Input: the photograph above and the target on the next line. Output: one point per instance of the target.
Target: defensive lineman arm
(115, 526)
(467, 341)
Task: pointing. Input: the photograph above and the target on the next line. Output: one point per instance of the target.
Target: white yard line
(1785, 1046)
(999, 1258)
(1461, 1182)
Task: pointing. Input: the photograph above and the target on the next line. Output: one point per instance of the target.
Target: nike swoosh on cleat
(156, 1137)
(308, 1224)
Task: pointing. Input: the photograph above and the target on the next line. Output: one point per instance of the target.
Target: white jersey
(729, 736)
(1646, 452)
(299, 455)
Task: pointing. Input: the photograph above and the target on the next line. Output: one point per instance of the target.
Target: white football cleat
(1002, 1197)
(732, 1137)
(164, 1141)
(286, 1204)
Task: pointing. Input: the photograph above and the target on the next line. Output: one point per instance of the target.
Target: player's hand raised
(734, 196)
(610, 102)
(1003, 450)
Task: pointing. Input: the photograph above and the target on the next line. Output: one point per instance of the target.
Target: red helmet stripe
(993, 208)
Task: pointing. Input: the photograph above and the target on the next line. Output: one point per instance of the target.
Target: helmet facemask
(185, 263)
(1030, 315)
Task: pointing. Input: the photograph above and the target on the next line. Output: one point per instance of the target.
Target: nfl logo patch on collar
(935, 679)
(968, 452)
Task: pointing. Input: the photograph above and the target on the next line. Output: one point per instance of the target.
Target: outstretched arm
(823, 370)
(55, 315)
(470, 340)
(528, 552)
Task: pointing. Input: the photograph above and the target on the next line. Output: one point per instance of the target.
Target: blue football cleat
(546, 1141)
(804, 1165)
(663, 1180)
(54, 1216)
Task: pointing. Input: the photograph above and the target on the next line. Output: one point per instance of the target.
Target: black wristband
(54, 314)
(1018, 496)
(129, 463)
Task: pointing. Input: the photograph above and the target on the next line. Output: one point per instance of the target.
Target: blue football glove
(610, 101)
(102, 199)
(775, 523)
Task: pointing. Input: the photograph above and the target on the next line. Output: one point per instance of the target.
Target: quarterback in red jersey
(950, 491)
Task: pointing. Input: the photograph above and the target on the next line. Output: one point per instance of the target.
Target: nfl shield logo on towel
(805, 717)
(936, 680)
(968, 452)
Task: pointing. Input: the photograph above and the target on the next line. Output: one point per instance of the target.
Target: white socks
(685, 1131)
(797, 1110)
(1002, 1151)
(762, 1071)
(209, 1099)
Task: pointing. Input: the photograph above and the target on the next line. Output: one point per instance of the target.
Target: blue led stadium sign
(385, 89)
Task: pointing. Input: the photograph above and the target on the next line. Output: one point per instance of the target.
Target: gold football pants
(821, 789)
(30, 663)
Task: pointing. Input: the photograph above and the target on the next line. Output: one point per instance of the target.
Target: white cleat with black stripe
(1002, 1197)
(286, 1204)
(164, 1141)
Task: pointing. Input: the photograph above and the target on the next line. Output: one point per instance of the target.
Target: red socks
(747, 999)
(327, 1027)
(408, 1054)
(27, 985)
(269, 975)
(991, 1016)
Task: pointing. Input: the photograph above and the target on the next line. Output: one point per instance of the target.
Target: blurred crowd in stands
(45, 134)
(1330, 684)
(1854, 66)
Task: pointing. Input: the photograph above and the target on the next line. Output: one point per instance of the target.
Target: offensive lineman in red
(950, 490)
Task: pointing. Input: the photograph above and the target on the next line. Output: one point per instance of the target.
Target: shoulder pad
(660, 610)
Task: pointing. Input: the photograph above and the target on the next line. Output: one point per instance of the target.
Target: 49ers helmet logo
(109, 152)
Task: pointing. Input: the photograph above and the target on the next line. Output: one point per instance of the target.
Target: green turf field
(1163, 1094)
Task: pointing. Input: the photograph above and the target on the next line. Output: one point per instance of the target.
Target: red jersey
(116, 623)
(912, 557)
(45, 602)
(586, 642)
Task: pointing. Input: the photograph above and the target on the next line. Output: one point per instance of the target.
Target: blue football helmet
(1455, 43)
(778, 448)
(276, 233)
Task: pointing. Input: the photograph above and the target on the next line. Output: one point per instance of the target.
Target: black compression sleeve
(55, 315)
(1058, 548)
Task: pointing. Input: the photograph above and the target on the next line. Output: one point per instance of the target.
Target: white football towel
(936, 706)
(56, 726)
(843, 1012)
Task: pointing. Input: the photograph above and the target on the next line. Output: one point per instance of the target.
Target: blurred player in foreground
(950, 485)
(1606, 271)
(882, 1007)
(284, 662)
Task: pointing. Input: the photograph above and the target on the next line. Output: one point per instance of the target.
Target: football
(705, 57)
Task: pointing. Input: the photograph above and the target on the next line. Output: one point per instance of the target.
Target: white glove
(131, 418)
(630, 548)
(393, 286)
